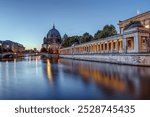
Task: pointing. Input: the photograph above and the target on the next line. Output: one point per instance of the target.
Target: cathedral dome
(53, 32)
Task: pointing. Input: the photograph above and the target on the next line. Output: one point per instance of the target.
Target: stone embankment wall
(130, 59)
(50, 55)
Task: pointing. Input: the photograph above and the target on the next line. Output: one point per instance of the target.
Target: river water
(42, 79)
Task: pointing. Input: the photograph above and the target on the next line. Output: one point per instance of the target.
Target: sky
(28, 21)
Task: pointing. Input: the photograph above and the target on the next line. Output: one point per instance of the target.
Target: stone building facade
(13, 46)
(52, 42)
(134, 37)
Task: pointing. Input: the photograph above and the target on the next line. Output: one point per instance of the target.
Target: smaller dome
(65, 36)
(53, 32)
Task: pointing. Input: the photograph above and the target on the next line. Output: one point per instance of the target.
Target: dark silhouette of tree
(108, 30)
(43, 50)
(70, 41)
(86, 38)
(98, 34)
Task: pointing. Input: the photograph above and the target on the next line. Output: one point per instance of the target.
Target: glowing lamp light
(147, 26)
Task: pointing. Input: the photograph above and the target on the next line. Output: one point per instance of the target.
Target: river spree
(36, 78)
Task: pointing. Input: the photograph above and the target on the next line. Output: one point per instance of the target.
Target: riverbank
(128, 59)
(49, 55)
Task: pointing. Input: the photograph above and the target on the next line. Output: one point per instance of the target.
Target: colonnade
(111, 46)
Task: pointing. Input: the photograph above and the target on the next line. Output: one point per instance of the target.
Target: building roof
(137, 16)
(133, 25)
(53, 32)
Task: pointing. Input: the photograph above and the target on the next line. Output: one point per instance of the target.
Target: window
(147, 24)
(143, 42)
(130, 43)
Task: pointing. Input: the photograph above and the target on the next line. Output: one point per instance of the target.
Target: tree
(70, 41)
(86, 38)
(73, 39)
(43, 50)
(108, 30)
(98, 34)
(65, 43)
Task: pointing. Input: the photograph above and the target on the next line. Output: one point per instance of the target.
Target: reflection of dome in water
(53, 32)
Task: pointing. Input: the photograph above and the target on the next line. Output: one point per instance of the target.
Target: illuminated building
(11, 46)
(134, 37)
(52, 42)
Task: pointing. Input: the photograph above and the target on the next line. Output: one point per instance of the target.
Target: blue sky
(28, 21)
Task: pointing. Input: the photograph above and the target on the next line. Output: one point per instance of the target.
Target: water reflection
(7, 70)
(49, 71)
(35, 78)
(14, 67)
(128, 80)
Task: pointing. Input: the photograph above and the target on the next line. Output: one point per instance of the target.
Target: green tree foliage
(86, 38)
(108, 30)
(98, 34)
(70, 41)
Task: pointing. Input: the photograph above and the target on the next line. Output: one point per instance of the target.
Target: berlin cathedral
(52, 42)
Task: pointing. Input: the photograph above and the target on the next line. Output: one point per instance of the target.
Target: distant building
(52, 41)
(65, 37)
(12, 46)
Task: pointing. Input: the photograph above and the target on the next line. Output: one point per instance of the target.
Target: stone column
(100, 47)
(117, 49)
(95, 48)
(92, 48)
(107, 46)
(112, 46)
(124, 45)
